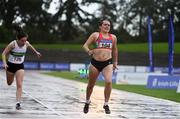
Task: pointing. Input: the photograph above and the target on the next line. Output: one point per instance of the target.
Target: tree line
(72, 24)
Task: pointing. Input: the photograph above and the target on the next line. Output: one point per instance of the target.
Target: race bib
(105, 44)
(17, 59)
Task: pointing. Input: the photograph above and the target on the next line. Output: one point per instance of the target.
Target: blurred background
(58, 28)
(72, 21)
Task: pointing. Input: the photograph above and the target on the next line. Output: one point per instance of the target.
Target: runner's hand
(38, 54)
(5, 66)
(115, 66)
(90, 52)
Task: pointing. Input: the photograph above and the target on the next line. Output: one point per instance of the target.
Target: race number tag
(17, 59)
(105, 44)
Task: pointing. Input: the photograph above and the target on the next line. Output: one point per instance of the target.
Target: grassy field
(140, 47)
(140, 89)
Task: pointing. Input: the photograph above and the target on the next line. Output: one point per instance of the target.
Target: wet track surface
(46, 97)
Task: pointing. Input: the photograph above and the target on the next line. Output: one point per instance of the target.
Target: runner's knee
(108, 83)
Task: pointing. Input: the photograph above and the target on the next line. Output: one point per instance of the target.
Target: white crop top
(17, 55)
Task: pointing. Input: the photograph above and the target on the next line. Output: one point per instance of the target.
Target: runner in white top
(17, 54)
(15, 51)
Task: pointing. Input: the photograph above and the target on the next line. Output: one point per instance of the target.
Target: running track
(46, 97)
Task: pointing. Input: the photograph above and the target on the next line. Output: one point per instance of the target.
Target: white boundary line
(38, 101)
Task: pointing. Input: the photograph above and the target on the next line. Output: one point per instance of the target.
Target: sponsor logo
(169, 82)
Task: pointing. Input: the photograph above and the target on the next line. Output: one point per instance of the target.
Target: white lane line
(46, 106)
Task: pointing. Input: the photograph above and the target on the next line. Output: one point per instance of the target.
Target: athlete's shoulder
(114, 36)
(27, 43)
(12, 44)
(94, 35)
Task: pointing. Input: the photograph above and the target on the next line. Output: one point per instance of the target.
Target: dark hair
(19, 32)
(104, 19)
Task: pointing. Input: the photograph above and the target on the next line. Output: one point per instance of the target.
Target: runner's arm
(33, 49)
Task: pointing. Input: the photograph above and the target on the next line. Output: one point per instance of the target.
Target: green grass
(168, 94)
(139, 48)
(143, 48)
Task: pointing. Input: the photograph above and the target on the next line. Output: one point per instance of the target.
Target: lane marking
(44, 105)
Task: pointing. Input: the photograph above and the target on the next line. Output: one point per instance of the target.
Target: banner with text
(167, 82)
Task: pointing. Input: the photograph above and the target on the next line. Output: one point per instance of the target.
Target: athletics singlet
(105, 43)
(17, 54)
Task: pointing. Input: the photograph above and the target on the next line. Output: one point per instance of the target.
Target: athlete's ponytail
(19, 32)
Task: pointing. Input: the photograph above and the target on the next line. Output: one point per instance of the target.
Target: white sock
(18, 102)
(88, 101)
(105, 103)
